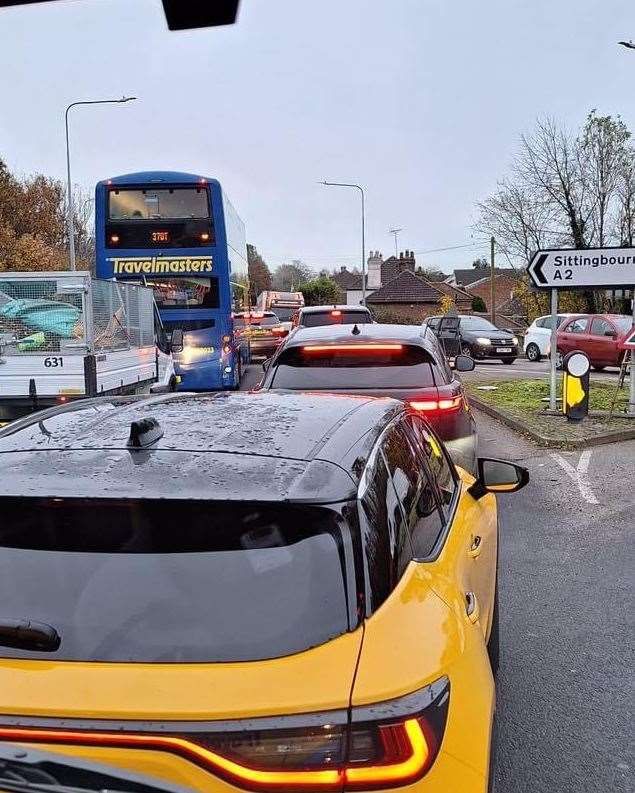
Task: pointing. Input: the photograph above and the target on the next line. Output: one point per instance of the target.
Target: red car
(598, 335)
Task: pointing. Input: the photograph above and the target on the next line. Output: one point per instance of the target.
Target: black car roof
(375, 332)
(265, 446)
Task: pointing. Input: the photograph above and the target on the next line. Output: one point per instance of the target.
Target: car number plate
(503, 349)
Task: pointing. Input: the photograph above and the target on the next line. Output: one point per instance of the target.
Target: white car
(538, 337)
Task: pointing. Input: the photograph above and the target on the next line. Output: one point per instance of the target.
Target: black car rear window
(314, 319)
(361, 366)
(172, 581)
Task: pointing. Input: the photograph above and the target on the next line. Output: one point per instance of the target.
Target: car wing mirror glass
(463, 363)
(498, 476)
(611, 333)
(176, 343)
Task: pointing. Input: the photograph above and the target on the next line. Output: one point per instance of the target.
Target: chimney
(343, 269)
(373, 272)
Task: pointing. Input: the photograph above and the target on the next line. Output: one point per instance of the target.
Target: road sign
(593, 268)
(628, 343)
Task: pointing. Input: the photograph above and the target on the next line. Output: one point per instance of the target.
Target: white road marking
(579, 474)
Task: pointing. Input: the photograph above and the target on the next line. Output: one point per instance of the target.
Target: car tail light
(279, 331)
(361, 348)
(227, 339)
(336, 313)
(435, 405)
(386, 745)
(226, 349)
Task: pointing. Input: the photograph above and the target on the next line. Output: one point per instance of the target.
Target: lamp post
(361, 190)
(69, 202)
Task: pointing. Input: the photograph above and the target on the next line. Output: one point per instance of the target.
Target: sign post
(589, 268)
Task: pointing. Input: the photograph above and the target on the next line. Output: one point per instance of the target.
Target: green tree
(320, 292)
(478, 304)
(259, 274)
(290, 277)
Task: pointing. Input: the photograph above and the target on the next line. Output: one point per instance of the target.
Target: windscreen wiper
(25, 634)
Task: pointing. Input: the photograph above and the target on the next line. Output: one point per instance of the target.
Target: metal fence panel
(122, 316)
(40, 316)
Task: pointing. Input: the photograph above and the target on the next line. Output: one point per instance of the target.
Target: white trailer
(66, 335)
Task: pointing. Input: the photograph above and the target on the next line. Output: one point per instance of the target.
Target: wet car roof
(266, 446)
(405, 334)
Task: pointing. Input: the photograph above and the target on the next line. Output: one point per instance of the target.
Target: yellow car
(262, 592)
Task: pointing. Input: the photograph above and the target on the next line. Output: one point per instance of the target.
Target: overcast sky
(420, 101)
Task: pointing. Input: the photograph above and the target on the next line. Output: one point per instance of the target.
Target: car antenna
(356, 331)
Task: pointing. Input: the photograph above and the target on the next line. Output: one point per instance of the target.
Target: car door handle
(471, 607)
(476, 547)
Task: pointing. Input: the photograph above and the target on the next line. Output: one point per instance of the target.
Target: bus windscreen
(173, 203)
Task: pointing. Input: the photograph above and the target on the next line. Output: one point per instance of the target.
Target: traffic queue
(291, 589)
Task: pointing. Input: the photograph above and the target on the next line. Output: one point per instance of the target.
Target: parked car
(294, 592)
(481, 340)
(400, 361)
(598, 335)
(262, 329)
(312, 316)
(537, 342)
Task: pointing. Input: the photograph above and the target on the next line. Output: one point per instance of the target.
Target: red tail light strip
(353, 347)
(352, 778)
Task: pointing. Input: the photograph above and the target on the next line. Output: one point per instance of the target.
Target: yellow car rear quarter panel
(412, 640)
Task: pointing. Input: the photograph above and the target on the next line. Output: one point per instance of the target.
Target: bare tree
(565, 191)
(625, 225)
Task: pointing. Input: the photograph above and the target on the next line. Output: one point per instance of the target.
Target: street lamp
(357, 187)
(69, 203)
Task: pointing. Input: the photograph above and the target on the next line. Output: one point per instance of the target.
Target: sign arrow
(628, 342)
(590, 268)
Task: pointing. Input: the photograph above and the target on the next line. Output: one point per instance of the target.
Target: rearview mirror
(498, 476)
(176, 343)
(611, 333)
(463, 363)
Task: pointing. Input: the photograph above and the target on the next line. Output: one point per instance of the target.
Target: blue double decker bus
(179, 233)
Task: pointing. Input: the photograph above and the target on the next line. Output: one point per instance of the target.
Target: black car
(481, 340)
(403, 362)
(313, 316)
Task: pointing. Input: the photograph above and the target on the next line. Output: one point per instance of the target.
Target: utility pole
(492, 289)
(395, 233)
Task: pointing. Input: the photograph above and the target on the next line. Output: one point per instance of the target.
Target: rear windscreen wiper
(25, 634)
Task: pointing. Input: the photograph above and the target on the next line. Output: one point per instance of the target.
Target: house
(468, 277)
(505, 285)
(406, 298)
(350, 284)
(462, 299)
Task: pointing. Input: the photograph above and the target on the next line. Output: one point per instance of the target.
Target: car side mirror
(176, 343)
(498, 476)
(266, 364)
(463, 363)
(611, 333)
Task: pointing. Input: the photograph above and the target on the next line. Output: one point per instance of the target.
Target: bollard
(575, 385)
